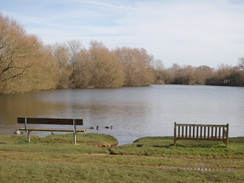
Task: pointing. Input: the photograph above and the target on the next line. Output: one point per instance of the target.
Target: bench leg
(28, 132)
(74, 138)
(226, 142)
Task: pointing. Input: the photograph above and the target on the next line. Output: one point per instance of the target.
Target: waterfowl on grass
(18, 132)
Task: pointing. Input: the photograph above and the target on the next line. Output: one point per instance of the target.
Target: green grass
(87, 143)
(152, 159)
(30, 171)
(163, 146)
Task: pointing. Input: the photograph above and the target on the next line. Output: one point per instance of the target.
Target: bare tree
(241, 64)
(15, 46)
(83, 71)
(107, 71)
(24, 62)
(62, 55)
(138, 66)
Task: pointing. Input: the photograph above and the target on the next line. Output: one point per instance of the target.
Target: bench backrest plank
(51, 121)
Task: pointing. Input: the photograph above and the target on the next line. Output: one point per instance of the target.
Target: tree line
(26, 64)
(224, 75)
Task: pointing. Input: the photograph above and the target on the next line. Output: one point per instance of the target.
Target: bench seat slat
(206, 138)
(52, 130)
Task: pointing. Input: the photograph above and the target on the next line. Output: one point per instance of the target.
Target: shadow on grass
(201, 146)
(163, 146)
(162, 142)
(157, 146)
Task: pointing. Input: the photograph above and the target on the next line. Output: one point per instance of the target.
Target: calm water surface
(134, 112)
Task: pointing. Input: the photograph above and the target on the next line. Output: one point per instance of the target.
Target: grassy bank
(152, 159)
(163, 147)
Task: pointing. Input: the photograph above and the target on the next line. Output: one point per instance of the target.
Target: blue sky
(187, 32)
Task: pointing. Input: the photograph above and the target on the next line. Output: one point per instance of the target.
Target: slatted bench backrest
(201, 132)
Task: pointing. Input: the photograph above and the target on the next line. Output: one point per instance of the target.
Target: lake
(134, 112)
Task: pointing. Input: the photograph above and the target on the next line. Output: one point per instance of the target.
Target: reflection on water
(22, 105)
(134, 112)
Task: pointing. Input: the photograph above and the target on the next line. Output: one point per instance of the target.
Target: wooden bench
(201, 132)
(50, 121)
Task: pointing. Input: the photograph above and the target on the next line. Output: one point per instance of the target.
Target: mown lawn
(152, 159)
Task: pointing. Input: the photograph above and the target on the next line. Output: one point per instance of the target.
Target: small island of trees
(26, 65)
